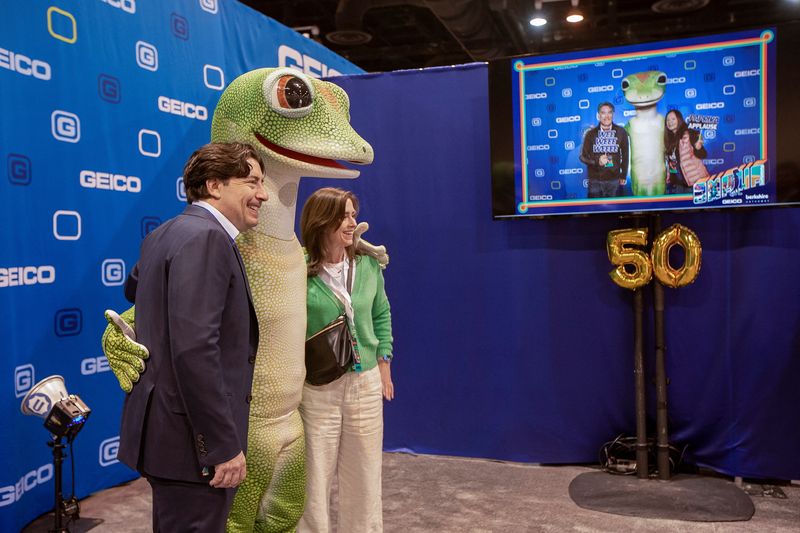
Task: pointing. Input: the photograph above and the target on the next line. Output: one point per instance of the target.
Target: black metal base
(684, 497)
(44, 524)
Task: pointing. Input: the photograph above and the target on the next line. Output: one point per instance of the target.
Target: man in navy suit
(184, 426)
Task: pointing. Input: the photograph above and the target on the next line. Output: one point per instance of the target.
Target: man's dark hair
(222, 161)
(609, 104)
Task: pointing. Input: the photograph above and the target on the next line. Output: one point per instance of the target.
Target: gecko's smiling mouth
(320, 161)
(645, 101)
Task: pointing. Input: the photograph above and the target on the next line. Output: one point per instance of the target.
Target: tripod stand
(68, 509)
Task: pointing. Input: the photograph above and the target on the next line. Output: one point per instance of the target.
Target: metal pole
(58, 459)
(662, 439)
(642, 468)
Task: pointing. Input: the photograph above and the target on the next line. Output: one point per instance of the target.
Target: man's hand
(386, 379)
(603, 160)
(125, 356)
(378, 252)
(229, 474)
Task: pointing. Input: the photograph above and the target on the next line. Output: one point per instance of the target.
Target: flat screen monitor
(695, 123)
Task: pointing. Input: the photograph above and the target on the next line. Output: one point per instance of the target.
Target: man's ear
(214, 187)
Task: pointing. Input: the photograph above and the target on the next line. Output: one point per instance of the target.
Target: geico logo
(289, 57)
(184, 109)
(535, 96)
(571, 118)
(679, 79)
(747, 131)
(24, 65)
(746, 73)
(128, 6)
(541, 197)
(629, 113)
(567, 171)
(27, 275)
(537, 147)
(713, 161)
(94, 365)
(110, 182)
(13, 493)
(710, 105)
(732, 201)
(600, 88)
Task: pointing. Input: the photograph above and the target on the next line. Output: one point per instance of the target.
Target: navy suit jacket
(194, 312)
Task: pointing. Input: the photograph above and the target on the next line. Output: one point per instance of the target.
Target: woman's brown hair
(323, 212)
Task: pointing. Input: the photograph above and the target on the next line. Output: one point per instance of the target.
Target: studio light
(538, 17)
(574, 15)
(64, 415)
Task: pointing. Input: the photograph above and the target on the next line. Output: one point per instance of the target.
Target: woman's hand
(699, 144)
(386, 379)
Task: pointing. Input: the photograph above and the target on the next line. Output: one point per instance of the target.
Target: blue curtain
(511, 341)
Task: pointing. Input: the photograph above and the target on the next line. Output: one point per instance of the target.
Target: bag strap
(350, 277)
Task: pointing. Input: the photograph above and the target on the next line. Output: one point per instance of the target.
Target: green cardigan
(373, 322)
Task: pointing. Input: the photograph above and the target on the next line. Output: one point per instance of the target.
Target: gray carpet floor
(423, 493)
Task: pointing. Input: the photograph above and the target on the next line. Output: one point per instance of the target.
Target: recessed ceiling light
(574, 17)
(538, 21)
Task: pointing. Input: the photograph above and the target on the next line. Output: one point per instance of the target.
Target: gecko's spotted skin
(301, 127)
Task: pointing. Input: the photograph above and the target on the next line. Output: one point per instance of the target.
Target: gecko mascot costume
(643, 91)
(301, 127)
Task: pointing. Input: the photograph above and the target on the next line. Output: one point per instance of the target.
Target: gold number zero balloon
(619, 245)
(687, 239)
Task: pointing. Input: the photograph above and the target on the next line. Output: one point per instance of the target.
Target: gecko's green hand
(125, 356)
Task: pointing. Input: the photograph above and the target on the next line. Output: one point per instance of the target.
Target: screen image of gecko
(671, 125)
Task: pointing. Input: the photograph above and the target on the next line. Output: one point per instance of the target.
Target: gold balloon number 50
(621, 252)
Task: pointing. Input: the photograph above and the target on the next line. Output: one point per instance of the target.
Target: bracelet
(387, 358)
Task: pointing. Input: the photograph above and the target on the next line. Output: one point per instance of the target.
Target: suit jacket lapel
(244, 271)
(196, 210)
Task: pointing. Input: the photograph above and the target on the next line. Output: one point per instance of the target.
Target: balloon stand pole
(642, 467)
(662, 436)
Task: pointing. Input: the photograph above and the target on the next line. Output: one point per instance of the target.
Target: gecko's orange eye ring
(289, 93)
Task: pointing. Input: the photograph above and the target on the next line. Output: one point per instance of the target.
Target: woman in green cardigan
(343, 420)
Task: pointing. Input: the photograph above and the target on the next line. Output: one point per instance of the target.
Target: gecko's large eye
(289, 93)
(625, 85)
(662, 79)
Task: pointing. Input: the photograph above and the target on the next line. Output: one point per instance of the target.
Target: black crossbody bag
(331, 351)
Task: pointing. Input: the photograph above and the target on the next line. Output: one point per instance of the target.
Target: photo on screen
(671, 125)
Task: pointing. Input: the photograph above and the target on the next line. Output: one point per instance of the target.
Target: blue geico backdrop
(101, 104)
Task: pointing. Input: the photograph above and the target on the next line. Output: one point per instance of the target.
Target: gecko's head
(644, 88)
(299, 124)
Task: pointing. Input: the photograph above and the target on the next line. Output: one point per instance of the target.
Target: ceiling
(382, 35)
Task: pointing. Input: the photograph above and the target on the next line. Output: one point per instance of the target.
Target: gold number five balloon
(619, 245)
(621, 252)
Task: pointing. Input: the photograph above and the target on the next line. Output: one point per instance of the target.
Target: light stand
(64, 416)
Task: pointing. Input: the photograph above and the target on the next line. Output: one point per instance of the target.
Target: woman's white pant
(343, 423)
